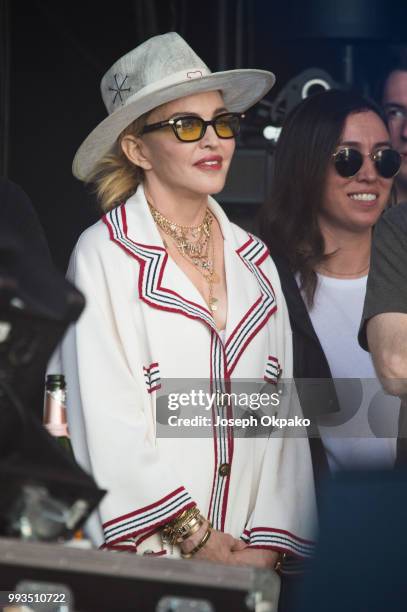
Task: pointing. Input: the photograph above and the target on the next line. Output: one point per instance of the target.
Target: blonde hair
(115, 178)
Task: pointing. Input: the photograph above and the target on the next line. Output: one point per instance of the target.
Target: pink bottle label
(55, 414)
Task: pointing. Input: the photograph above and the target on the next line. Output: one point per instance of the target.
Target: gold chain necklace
(358, 274)
(199, 252)
(179, 233)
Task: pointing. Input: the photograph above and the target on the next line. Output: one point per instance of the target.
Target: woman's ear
(134, 150)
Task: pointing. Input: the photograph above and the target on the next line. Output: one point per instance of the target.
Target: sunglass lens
(348, 162)
(387, 162)
(227, 126)
(189, 128)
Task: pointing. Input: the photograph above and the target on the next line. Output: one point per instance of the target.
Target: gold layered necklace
(195, 244)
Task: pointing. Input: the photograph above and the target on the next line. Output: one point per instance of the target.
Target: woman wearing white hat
(175, 291)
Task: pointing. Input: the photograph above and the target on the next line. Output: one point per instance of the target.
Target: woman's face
(355, 203)
(187, 168)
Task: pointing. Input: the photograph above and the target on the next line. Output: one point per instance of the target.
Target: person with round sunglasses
(176, 294)
(333, 174)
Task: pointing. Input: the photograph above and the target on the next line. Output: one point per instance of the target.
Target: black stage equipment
(44, 494)
(130, 583)
(304, 85)
(250, 175)
(5, 38)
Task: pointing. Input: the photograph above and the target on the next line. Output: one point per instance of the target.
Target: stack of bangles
(184, 526)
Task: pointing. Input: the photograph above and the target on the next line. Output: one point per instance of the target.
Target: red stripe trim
(267, 316)
(143, 262)
(250, 338)
(242, 321)
(152, 528)
(279, 371)
(224, 357)
(154, 389)
(264, 253)
(281, 549)
(283, 531)
(267, 281)
(230, 443)
(211, 357)
(141, 539)
(262, 258)
(124, 218)
(152, 365)
(145, 536)
(245, 245)
(109, 228)
(214, 436)
(144, 508)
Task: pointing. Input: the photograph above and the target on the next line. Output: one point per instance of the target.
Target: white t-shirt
(349, 437)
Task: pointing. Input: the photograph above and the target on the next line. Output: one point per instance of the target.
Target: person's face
(395, 107)
(355, 203)
(187, 168)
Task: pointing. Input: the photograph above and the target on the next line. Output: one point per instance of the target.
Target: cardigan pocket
(152, 377)
(273, 370)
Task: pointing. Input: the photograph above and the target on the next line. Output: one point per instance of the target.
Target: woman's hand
(256, 557)
(224, 548)
(221, 547)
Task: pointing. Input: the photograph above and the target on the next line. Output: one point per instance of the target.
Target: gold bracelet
(176, 535)
(180, 527)
(193, 526)
(185, 517)
(199, 546)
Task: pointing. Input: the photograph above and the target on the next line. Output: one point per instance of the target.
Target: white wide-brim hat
(162, 69)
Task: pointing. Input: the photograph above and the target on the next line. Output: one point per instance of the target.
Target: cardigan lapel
(250, 295)
(251, 299)
(132, 227)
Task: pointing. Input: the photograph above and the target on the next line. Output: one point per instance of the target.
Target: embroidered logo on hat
(119, 87)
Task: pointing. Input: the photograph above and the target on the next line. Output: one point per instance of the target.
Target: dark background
(53, 55)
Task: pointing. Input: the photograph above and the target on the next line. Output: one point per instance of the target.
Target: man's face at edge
(395, 107)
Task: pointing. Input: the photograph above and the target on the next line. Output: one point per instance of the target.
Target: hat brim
(240, 88)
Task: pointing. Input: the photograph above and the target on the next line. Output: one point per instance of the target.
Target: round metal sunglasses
(348, 162)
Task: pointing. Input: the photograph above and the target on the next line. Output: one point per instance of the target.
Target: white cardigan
(145, 322)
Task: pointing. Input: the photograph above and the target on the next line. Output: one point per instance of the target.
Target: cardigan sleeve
(110, 412)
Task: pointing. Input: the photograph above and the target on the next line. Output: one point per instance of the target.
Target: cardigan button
(224, 469)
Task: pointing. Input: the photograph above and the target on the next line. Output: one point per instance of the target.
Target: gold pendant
(213, 304)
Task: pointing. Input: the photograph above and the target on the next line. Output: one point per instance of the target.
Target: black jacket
(311, 371)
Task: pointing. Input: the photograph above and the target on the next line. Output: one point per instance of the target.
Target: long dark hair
(289, 220)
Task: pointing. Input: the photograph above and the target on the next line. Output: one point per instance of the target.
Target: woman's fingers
(218, 548)
(256, 557)
(239, 545)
